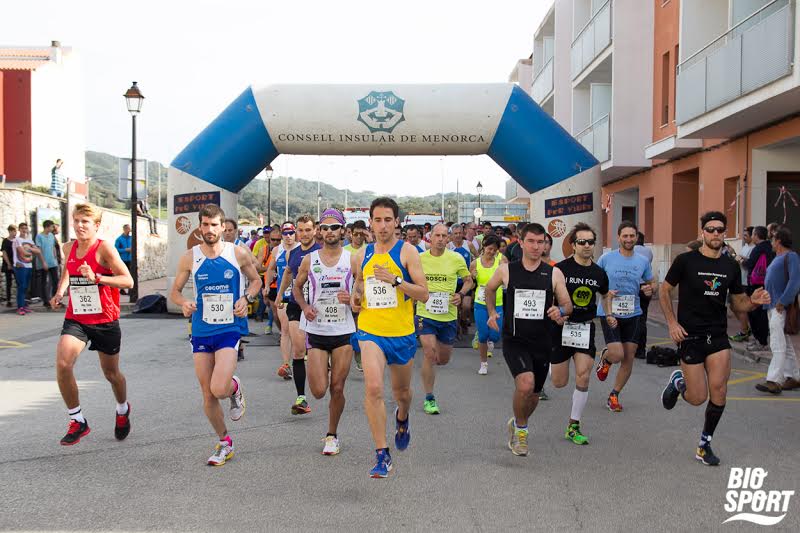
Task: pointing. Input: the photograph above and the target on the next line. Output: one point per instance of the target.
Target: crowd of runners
(367, 296)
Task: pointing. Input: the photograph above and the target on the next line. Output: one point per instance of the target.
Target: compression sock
(713, 414)
(579, 399)
(299, 371)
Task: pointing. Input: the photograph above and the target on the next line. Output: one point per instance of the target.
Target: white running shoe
(238, 404)
(222, 452)
(331, 446)
(484, 369)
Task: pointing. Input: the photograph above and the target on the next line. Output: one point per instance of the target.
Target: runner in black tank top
(532, 287)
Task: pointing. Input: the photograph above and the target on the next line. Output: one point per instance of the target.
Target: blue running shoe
(670, 394)
(383, 465)
(403, 435)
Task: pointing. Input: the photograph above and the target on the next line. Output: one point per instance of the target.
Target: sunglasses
(585, 242)
(719, 230)
(287, 233)
(330, 227)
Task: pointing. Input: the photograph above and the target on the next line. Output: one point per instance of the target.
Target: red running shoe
(603, 366)
(123, 425)
(613, 403)
(75, 431)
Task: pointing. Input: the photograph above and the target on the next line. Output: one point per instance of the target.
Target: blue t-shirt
(47, 243)
(625, 275)
(121, 244)
(780, 289)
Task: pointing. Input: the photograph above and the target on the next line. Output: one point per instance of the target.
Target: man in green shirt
(437, 317)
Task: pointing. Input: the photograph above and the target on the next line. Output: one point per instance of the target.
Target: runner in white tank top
(327, 319)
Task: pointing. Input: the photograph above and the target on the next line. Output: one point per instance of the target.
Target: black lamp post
(479, 188)
(134, 100)
(268, 171)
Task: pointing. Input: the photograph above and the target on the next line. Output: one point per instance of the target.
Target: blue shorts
(215, 343)
(397, 350)
(445, 331)
(354, 343)
(485, 333)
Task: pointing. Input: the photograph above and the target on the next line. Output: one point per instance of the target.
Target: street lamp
(479, 188)
(268, 171)
(134, 100)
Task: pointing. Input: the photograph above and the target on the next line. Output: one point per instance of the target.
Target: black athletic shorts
(523, 356)
(328, 343)
(293, 312)
(627, 330)
(565, 353)
(104, 338)
(695, 349)
(272, 294)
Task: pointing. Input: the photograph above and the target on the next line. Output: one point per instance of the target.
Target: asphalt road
(637, 473)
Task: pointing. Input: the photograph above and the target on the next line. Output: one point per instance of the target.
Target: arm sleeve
(793, 286)
(675, 272)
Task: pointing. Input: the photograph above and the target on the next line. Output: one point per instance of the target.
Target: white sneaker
(238, 404)
(222, 452)
(484, 369)
(331, 445)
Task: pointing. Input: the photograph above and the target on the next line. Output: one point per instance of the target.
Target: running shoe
(21, 311)
(300, 406)
(670, 394)
(331, 445)
(705, 455)
(574, 434)
(383, 465)
(27, 309)
(603, 366)
(543, 396)
(223, 451)
(431, 407)
(742, 336)
(489, 349)
(484, 369)
(753, 346)
(517, 439)
(75, 431)
(402, 436)
(285, 371)
(268, 329)
(238, 403)
(613, 403)
(123, 425)
(475, 344)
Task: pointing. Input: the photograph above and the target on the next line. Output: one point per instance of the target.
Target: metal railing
(756, 51)
(597, 138)
(543, 82)
(591, 40)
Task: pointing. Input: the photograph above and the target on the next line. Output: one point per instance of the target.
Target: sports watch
(397, 281)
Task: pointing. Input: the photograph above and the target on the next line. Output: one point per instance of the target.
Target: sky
(191, 59)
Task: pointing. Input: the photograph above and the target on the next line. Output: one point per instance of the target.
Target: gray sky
(192, 59)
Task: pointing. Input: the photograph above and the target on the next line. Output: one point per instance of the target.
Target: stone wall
(18, 205)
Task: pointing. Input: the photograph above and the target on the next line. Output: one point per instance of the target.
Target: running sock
(122, 408)
(429, 397)
(76, 414)
(235, 387)
(614, 392)
(524, 428)
(579, 399)
(299, 372)
(332, 435)
(713, 414)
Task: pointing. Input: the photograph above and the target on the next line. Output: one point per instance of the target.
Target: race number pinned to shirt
(218, 308)
(330, 312)
(481, 294)
(438, 303)
(575, 335)
(623, 305)
(85, 299)
(380, 295)
(529, 304)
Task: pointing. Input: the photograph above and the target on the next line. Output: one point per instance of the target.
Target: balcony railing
(597, 138)
(592, 39)
(543, 82)
(755, 52)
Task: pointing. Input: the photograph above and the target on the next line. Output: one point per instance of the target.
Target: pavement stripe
(762, 399)
(12, 344)
(748, 378)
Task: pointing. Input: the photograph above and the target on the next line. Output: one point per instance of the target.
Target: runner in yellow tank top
(482, 274)
(388, 275)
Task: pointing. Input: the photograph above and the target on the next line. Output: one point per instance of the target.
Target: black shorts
(104, 338)
(272, 294)
(695, 349)
(293, 312)
(523, 356)
(328, 343)
(627, 330)
(565, 353)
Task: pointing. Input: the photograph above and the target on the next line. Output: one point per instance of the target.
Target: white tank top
(333, 318)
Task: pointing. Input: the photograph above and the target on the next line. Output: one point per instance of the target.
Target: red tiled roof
(23, 58)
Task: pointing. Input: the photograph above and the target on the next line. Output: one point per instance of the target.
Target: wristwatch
(250, 299)
(397, 281)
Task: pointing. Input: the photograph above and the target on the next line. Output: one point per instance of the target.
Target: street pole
(159, 191)
(134, 292)
(269, 201)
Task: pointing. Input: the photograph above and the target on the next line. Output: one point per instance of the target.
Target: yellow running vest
(378, 315)
(483, 275)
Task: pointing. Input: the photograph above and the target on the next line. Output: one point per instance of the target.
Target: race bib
(330, 313)
(575, 335)
(380, 295)
(218, 308)
(529, 304)
(85, 299)
(480, 296)
(438, 303)
(623, 305)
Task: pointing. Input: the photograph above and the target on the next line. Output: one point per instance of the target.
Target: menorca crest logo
(381, 111)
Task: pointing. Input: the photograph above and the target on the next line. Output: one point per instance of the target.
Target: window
(731, 207)
(665, 98)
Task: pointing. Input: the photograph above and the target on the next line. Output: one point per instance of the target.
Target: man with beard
(218, 313)
(705, 277)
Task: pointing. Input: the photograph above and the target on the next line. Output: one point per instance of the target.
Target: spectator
(782, 283)
(57, 235)
(757, 264)
(8, 261)
(744, 253)
(47, 265)
(772, 227)
(58, 183)
(143, 211)
(24, 249)
(123, 245)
